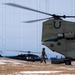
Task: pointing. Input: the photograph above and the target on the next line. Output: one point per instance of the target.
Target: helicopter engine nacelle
(66, 35)
(69, 35)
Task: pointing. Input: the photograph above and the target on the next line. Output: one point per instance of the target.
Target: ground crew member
(43, 55)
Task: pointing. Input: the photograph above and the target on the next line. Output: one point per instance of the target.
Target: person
(43, 55)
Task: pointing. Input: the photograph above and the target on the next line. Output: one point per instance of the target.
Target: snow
(66, 68)
(1, 63)
(27, 72)
(56, 70)
(67, 74)
(9, 61)
(34, 73)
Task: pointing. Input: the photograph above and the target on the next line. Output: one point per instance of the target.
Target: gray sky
(15, 35)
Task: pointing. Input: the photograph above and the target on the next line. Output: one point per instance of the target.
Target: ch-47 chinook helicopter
(57, 34)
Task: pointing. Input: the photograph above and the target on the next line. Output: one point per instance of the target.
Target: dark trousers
(43, 59)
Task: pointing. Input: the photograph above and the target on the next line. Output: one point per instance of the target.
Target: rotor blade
(20, 51)
(28, 52)
(27, 8)
(64, 16)
(70, 16)
(35, 20)
(24, 51)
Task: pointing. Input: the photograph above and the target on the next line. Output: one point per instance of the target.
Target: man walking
(43, 55)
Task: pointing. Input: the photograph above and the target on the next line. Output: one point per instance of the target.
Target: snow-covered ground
(17, 67)
(8, 61)
(49, 73)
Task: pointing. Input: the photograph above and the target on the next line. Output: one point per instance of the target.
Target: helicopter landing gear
(68, 62)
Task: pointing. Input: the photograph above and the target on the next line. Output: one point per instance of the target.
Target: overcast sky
(15, 35)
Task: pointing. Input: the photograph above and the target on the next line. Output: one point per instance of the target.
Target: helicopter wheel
(67, 62)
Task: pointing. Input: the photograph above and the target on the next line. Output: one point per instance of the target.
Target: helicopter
(26, 56)
(57, 34)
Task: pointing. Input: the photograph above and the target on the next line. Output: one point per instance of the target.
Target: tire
(68, 62)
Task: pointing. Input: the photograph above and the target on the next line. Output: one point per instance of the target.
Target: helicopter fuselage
(59, 35)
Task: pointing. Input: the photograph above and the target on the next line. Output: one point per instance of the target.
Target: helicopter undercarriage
(66, 60)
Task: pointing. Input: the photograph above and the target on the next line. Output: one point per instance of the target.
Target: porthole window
(51, 45)
(58, 43)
